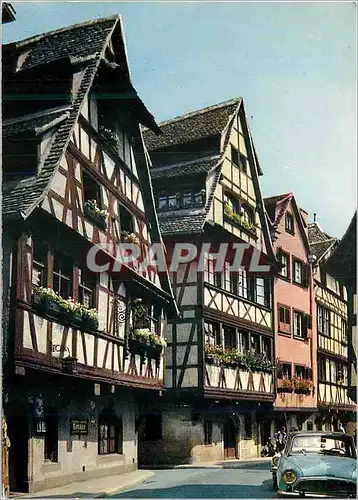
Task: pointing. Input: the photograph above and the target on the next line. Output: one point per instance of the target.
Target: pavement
(171, 480)
(95, 488)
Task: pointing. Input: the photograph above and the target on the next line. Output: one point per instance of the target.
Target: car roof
(319, 433)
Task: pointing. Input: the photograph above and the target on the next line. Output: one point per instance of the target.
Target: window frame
(289, 220)
(301, 264)
(61, 256)
(285, 272)
(284, 326)
(51, 436)
(107, 418)
(43, 266)
(303, 333)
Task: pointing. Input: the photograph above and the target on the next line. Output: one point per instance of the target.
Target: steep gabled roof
(190, 127)
(83, 46)
(319, 241)
(342, 263)
(187, 168)
(277, 205)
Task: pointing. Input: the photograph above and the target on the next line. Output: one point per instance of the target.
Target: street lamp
(312, 258)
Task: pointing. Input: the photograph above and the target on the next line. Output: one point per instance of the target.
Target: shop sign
(79, 427)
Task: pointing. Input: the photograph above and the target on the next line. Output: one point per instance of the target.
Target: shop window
(208, 432)
(87, 289)
(51, 435)
(153, 427)
(63, 275)
(110, 433)
(39, 265)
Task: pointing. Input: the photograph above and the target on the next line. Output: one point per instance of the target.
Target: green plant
(47, 293)
(302, 385)
(92, 205)
(127, 237)
(232, 357)
(285, 383)
(237, 217)
(142, 334)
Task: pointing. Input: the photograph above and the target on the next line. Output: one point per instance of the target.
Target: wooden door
(18, 453)
(229, 440)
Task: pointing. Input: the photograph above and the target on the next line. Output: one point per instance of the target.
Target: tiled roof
(36, 122)
(276, 206)
(319, 241)
(85, 43)
(343, 261)
(200, 166)
(182, 225)
(206, 122)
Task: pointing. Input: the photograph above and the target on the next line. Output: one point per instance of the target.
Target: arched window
(110, 433)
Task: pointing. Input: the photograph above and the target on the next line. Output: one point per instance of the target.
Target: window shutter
(288, 316)
(304, 326)
(310, 373)
(309, 322)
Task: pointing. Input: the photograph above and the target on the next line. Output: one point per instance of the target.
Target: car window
(322, 445)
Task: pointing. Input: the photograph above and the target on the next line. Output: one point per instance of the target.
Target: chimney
(304, 216)
(314, 217)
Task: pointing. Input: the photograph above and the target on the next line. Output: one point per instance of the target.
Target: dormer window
(188, 198)
(289, 223)
(20, 157)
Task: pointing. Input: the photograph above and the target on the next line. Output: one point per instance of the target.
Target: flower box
(90, 322)
(285, 385)
(46, 304)
(99, 220)
(302, 386)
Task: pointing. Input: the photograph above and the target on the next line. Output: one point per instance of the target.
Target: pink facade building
(295, 322)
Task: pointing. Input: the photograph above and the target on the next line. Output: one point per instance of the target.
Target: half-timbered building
(83, 345)
(219, 371)
(334, 403)
(342, 264)
(295, 328)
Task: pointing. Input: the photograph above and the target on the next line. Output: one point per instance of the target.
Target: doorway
(18, 426)
(229, 440)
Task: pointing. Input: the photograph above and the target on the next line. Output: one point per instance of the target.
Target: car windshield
(326, 445)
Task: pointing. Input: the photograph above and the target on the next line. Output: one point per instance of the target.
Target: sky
(294, 64)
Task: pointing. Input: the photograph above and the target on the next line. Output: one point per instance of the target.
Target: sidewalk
(212, 465)
(94, 488)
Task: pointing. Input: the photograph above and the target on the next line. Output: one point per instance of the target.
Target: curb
(125, 486)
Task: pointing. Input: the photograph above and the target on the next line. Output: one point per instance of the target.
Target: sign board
(97, 389)
(79, 427)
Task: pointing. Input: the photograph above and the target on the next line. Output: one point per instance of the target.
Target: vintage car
(318, 464)
(274, 465)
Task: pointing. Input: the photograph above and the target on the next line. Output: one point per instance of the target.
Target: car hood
(320, 465)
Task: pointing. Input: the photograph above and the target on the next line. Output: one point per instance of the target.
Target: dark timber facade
(205, 177)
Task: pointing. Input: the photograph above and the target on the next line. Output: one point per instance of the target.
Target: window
(91, 190)
(188, 199)
(174, 201)
(298, 324)
(39, 265)
(244, 345)
(322, 371)
(63, 275)
(284, 317)
(255, 343)
(212, 333)
(146, 315)
(310, 425)
(243, 163)
(344, 331)
(153, 427)
(297, 272)
(229, 338)
(209, 274)
(51, 435)
(285, 371)
(110, 433)
(162, 202)
(208, 432)
(248, 425)
(266, 347)
(126, 220)
(333, 284)
(285, 261)
(235, 156)
(263, 292)
(300, 371)
(242, 284)
(227, 281)
(87, 288)
(289, 225)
